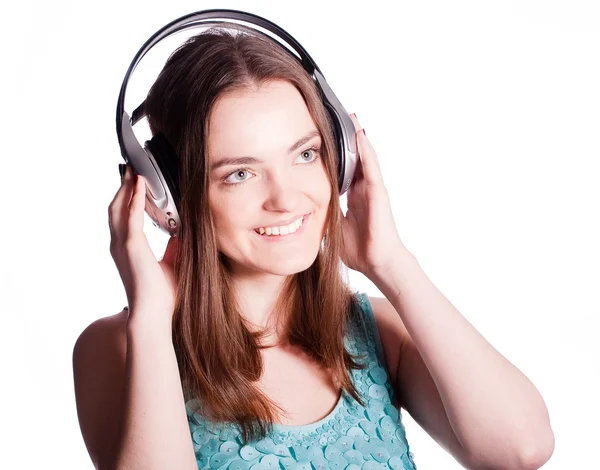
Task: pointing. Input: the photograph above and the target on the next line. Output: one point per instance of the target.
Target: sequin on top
(350, 437)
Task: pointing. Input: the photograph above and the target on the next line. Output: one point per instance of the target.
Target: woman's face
(277, 180)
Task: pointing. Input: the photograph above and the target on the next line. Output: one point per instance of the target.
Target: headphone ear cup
(167, 162)
(339, 145)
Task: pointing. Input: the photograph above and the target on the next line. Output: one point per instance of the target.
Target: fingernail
(364, 132)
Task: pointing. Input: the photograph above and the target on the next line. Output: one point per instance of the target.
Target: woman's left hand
(370, 234)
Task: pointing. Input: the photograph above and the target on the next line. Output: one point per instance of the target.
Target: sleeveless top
(349, 437)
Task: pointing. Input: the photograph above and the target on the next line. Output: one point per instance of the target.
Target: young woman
(244, 347)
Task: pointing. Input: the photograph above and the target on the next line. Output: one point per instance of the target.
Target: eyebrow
(247, 160)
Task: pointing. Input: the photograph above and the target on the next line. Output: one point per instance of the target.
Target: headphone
(157, 161)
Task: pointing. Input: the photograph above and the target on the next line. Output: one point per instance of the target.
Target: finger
(119, 206)
(137, 205)
(354, 120)
(120, 190)
(368, 159)
(122, 168)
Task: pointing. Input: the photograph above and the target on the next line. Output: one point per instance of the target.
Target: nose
(282, 194)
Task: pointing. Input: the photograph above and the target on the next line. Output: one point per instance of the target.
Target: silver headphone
(162, 192)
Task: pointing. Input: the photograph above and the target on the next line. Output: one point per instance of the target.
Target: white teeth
(283, 230)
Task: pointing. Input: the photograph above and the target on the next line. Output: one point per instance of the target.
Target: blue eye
(315, 150)
(237, 172)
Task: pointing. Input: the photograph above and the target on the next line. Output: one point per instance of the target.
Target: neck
(263, 301)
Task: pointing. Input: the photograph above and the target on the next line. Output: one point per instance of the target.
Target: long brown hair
(219, 357)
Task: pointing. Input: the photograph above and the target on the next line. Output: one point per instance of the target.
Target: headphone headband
(203, 19)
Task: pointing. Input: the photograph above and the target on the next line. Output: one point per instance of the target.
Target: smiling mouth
(283, 231)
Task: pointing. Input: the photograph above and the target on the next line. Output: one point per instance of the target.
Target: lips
(302, 218)
(284, 223)
(284, 237)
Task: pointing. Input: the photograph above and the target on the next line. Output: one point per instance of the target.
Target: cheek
(324, 188)
(226, 230)
(230, 215)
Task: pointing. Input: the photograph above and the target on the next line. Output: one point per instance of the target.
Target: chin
(283, 268)
(274, 265)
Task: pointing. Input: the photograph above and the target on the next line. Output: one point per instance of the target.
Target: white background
(485, 117)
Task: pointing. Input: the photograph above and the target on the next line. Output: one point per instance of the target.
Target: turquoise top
(350, 437)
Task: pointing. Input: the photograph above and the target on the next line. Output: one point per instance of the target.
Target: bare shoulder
(392, 332)
(100, 335)
(98, 371)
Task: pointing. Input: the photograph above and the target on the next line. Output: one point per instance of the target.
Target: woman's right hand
(150, 286)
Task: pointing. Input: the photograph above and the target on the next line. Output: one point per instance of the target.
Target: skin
(264, 123)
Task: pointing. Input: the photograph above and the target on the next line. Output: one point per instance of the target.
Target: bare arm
(498, 417)
(129, 398)
(154, 432)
